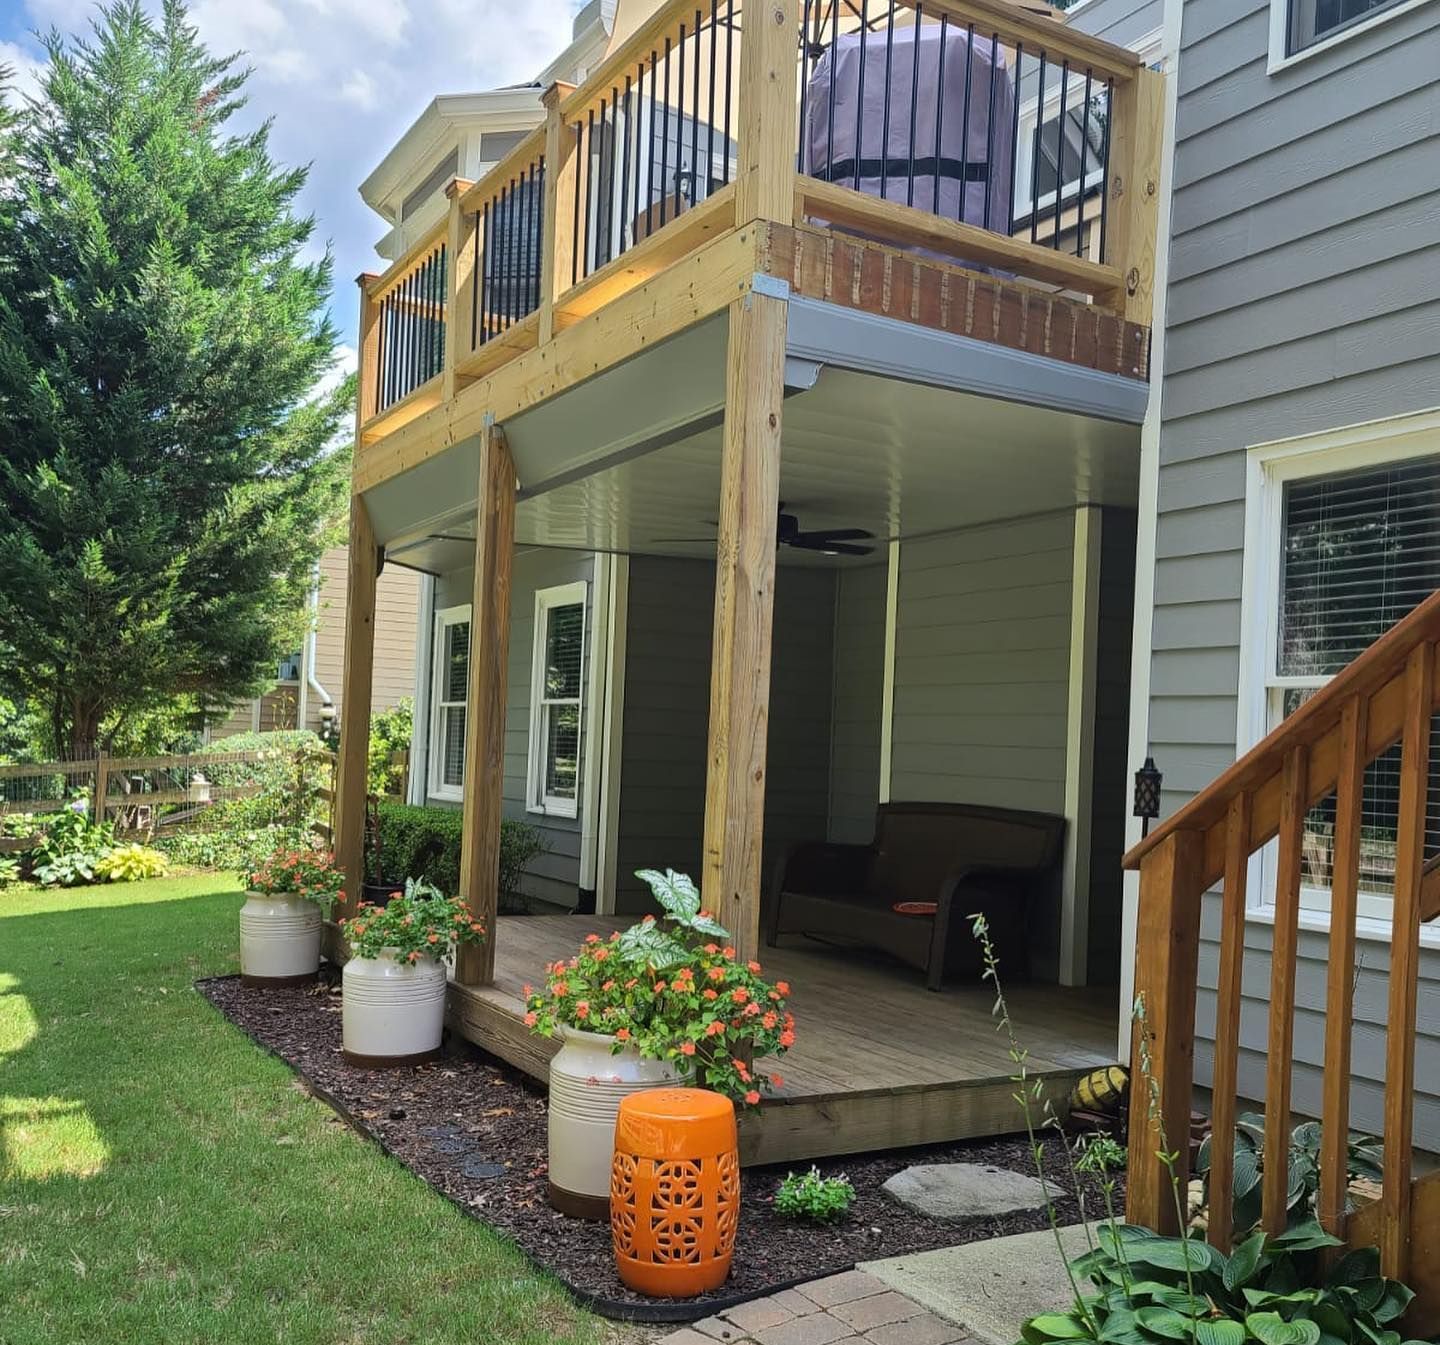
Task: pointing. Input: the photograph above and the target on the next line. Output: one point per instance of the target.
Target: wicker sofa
(963, 857)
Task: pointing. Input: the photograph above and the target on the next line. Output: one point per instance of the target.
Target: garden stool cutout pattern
(674, 1191)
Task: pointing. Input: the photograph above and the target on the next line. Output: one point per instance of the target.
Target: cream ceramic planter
(587, 1083)
(392, 1013)
(279, 939)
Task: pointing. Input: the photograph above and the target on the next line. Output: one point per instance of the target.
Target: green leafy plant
(427, 840)
(390, 732)
(9, 870)
(310, 874)
(813, 1198)
(71, 846)
(130, 864)
(675, 990)
(420, 922)
(1364, 1154)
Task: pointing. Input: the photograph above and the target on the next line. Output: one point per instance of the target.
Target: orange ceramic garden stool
(674, 1191)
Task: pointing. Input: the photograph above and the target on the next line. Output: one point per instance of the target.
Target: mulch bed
(474, 1128)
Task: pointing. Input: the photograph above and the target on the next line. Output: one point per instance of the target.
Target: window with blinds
(447, 711)
(1311, 21)
(557, 692)
(1359, 551)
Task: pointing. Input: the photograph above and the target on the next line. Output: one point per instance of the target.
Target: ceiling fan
(827, 541)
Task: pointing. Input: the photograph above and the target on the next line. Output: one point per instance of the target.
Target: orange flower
(432, 938)
(751, 1009)
(787, 1038)
(783, 987)
(714, 1029)
(707, 993)
(754, 967)
(777, 1081)
(769, 1021)
(562, 987)
(658, 987)
(622, 1034)
(414, 957)
(582, 1009)
(687, 1048)
(740, 994)
(716, 973)
(631, 983)
(728, 953)
(531, 1019)
(752, 1098)
(527, 990)
(600, 954)
(609, 985)
(712, 948)
(592, 938)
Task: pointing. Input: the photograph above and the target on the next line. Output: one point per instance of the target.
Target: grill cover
(983, 147)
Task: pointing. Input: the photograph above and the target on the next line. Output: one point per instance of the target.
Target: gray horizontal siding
(859, 688)
(1304, 294)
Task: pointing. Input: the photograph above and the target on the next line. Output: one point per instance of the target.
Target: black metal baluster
(679, 123)
(437, 329)
(710, 109)
(634, 213)
(1105, 166)
(625, 170)
(834, 79)
(650, 150)
(806, 67)
(729, 79)
(1060, 153)
(860, 90)
(410, 343)
(885, 111)
(575, 232)
(914, 105)
(1014, 132)
(695, 119)
(940, 115)
(524, 243)
(586, 267)
(1084, 145)
(517, 248)
(602, 205)
(665, 143)
(965, 124)
(1035, 157)
(507, 267)
(427, 328)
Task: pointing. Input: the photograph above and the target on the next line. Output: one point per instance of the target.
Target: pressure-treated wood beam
(744, 612)
(485, 704)
(768, 112)
(350, 769)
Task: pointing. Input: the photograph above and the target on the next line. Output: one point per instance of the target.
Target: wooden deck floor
(879, 1061)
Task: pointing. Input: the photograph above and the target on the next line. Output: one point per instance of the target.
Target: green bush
(813, 1198)
(130, 863)
(389, 733)
(418, 842)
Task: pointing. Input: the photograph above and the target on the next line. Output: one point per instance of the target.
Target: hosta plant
(675, 989)
(420, 922)
(810, 1197)
(1363, 1159)
(130, 864)
(9, 870)
(311, 874)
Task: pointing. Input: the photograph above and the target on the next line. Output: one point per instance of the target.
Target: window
(451, 656)
(1353, 545)
(1311, 21)
(289, 669)
(1060, 148)
(555, 700)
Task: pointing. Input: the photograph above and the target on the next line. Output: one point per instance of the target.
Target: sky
(342, 80)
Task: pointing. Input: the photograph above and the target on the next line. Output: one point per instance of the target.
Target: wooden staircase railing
(1387, 695)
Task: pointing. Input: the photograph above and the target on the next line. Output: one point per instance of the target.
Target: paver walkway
(845, 1309)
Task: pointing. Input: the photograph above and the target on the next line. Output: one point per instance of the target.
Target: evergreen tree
(167, 479)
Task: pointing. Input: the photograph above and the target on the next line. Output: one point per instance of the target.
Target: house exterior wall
(1304, 294)
(858, 701)
(554, 876)
(667, 708)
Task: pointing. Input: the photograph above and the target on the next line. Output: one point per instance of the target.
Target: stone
(480, 1170)
(717, 1328)
(819, 1328)
(877, 1310)
(757, 1314)
(954, 1191)
(842, 1288)
(925, 1329)
(796, 1302)
(685, 1336)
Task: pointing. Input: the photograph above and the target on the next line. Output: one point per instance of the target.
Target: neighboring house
(309, 690)
(1290, 510)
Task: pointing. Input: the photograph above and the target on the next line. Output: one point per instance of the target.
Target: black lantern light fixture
(1147, 794)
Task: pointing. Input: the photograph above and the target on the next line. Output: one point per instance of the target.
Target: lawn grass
(163, 1180)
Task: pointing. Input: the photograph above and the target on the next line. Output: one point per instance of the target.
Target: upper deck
(969, 167)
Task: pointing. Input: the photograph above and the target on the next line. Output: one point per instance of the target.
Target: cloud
(25, 70)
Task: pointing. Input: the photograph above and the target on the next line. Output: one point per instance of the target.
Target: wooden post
(368, 380)
(460, 262)
(102, 785)
(768, 111)
(744, 611)
(557, 248)
(1163, 1055)
(485, 706)
(353, 756)
(1138, 128)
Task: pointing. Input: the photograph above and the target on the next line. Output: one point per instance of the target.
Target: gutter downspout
(309, 682)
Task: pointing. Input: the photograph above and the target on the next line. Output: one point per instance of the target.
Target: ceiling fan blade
(832, 535)
(829, 547)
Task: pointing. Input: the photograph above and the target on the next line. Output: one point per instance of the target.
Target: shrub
(130, 863)
(421, 923)
(419, 842)
(820, 1200)
(390, 732)
(71, 847)
(9, 870)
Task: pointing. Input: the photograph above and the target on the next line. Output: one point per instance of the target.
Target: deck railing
(1388, 696)
(971, 129)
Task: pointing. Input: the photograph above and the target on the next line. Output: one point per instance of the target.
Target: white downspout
(309, 682)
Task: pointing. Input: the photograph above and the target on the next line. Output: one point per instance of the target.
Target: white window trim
(1149, 48)
(444, 616)
(1269, 466)
(536, 799)
(1280, 24)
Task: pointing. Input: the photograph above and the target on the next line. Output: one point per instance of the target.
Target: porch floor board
(879, 1061)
